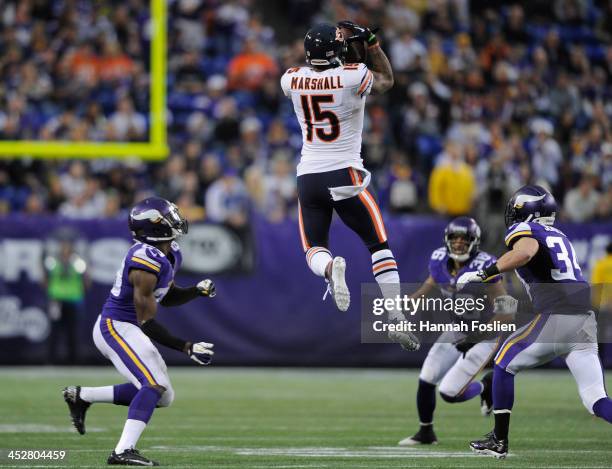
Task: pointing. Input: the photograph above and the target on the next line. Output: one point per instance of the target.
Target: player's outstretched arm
(428, 286)
(177, 296)
(522, 252)
(377, 60)
(146, 308)
(381, 68)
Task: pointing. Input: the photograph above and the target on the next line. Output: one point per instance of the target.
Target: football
(356, 50)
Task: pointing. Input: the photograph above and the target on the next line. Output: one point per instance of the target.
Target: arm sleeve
(177, 296)
(160, 334)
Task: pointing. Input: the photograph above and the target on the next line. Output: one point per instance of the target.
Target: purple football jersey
(439, 271)
(552, 278)
(119, 305)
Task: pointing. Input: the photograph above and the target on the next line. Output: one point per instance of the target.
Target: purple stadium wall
(270, 315)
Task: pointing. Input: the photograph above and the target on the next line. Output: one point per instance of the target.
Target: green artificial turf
(332, 418)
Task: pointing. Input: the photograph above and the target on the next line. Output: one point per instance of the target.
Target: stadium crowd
(488, 96)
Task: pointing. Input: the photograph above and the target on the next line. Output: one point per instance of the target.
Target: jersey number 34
(566, 259)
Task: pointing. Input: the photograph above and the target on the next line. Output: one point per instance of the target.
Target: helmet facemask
(460, 246)
(176, 221)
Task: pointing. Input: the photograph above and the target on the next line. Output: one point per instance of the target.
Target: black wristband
(491, 271)
(160, 334)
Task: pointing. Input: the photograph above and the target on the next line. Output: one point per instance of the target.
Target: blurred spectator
(407, 53)
(601, 279)
(582, 202)
(280, 191)
(84, 65)
(403, 192)
(601, 293)
(251, 67)
(114, 64)
(227, 201)
(65, 281)
(452, 184)
(545, 152)
(126, 123)
(90, 203)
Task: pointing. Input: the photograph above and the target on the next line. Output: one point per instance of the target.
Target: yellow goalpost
(157, 146)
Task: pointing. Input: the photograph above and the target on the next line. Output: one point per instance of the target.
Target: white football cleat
(337, 284)
(407, 340)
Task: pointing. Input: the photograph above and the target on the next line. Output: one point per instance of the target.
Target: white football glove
(201, 352)
(505, 304)
(469, 277)
(207, 288)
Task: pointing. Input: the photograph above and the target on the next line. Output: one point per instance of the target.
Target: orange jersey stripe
(365, 202)
(365, 83)
(376, 215)
(305, 244)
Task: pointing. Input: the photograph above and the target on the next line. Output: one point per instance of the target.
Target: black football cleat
(486, 396)
(425, 436)
(130, 457)
(490, 446)
(77, 406)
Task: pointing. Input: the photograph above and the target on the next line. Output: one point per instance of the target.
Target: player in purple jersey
(454, 361)
(126, 327)
(545, 261)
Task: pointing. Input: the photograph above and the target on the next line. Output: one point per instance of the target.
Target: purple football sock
(144, 402)
(473, 390)
(503, 400)
(426, 401)
(603, 409)
(503, 389)
(124, 393)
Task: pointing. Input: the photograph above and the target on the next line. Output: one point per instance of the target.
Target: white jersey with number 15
(329, 106)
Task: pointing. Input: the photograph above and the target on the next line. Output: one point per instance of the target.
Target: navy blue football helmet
(325, 46)
(466, 227)
(531, 203)
(155, 220)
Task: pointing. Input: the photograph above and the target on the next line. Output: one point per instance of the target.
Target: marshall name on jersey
(329, 106)
(439, 264)
(119, 305)
(552, 278)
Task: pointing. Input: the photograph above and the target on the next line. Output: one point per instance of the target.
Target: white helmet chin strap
(319, 62)
(166, 238)
(460, 257)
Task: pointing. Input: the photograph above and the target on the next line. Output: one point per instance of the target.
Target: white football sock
(131, 433)
(99, 394)
(385, 272)
(317, 259)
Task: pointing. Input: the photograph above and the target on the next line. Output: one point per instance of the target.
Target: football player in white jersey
(329, 100)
